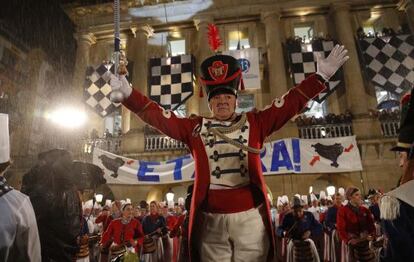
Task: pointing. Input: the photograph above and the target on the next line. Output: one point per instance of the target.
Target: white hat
(313, 197)
(279, 201)
(181, 201)
(4, 138)
(322, 195)
(285, 199)
(108, 202)
(297, 195)
(128, 201)
(305, 199)
(88, 204)
(341, 191)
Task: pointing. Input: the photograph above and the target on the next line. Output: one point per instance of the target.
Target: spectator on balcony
(94, 134)
(107, 134)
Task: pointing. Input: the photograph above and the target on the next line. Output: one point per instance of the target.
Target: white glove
(121, 89)
(327, 67)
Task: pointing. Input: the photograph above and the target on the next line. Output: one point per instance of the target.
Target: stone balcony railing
(390, 128)
(112, 145)
(325, 131)
(162, 143)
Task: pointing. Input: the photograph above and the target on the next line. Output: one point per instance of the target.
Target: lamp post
(331, 190)
(170, 195)
(98, 198)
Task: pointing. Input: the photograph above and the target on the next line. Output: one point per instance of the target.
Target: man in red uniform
(230, 217)
(355, 226)
(123, 232)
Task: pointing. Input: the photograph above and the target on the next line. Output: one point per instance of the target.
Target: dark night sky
(42, 23)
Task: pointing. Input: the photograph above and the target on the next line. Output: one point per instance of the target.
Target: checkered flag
(171, 80)
(389, 62)
(97, 89)
(302, 58)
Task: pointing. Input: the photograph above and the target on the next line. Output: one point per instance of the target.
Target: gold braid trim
(221, 131)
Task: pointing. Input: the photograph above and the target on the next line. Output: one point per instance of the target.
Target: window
(317, 110)
(305, 32)
(181, 111)
(113, 123)
(245, 103)
(383, 96)
(238, 39)
(177, 47)
(369, 31)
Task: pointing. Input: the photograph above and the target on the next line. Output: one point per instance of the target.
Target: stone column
(356, 97)
(276, 67)
(274, 37)
(84, 42)
(199, 105)
(133, 127)
(355, 91)
(137, 51)
(408, 6)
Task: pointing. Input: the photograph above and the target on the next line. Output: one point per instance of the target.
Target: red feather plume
(405, 99)
(214, 37)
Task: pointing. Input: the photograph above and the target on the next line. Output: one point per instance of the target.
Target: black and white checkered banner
(171, 80)
(389, 62)
(97, 89)
(302, 59)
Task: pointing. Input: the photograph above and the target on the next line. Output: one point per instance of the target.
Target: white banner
(290, 155)
(249, 62)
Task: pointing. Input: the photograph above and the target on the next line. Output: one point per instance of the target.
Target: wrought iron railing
(162, 143)
(325, 131)
(390, 128)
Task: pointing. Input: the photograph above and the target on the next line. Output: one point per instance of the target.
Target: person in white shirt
(19, 237)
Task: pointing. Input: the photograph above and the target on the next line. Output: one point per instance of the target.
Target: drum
(149, 245)
(302, 251)
(363, 252)
(83, 247)
(116, 250)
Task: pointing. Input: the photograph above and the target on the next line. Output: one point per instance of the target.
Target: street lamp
(98, 198)
(67, 117)
(331, 190)
(170, 195)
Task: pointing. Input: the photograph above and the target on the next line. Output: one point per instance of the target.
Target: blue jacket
(307, 222)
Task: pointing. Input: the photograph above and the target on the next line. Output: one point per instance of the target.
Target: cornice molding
(88, 38)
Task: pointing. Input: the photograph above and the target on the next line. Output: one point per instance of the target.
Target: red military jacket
(350, 224)
(120, 233)
(261, 124)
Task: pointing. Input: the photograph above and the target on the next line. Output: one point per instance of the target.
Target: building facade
(158, 28)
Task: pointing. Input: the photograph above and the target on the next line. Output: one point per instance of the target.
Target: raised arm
(282, 109)
(151, 113)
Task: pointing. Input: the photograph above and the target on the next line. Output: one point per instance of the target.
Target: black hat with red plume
(221, 74)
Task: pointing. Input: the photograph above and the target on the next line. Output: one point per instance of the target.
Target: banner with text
(290, 155)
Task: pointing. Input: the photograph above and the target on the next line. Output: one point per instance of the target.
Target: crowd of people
(151, 232)
(328, 227)
(331, 118)
(388, 115)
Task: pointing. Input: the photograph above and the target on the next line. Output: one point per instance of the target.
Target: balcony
(390, 128)
(112, 145)
(162, 143)
(325, 131)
